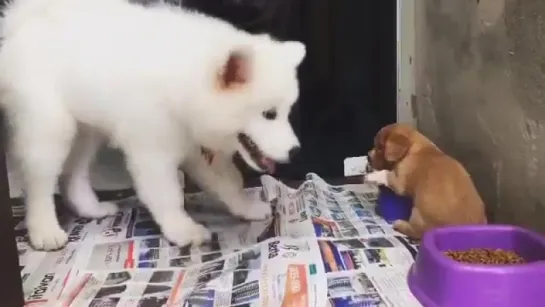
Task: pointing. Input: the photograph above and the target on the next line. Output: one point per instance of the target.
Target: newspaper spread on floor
(325, 246)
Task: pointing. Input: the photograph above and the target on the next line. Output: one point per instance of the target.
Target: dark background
(348, 79)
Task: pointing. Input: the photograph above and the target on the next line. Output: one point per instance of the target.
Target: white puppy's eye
(270, 114)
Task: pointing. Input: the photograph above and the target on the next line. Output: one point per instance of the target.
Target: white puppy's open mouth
(253, 156)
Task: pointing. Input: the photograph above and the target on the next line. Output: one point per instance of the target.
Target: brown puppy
(411, 165)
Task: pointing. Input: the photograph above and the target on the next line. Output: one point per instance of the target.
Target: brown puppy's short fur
(442, 190)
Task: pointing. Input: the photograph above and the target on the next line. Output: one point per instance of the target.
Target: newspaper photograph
(353, 289)
(230, 281)
(372, 288)
(355, 254)
(324, 246)
(46, 275)
(276, 272)
(155, 252)
(144, 288)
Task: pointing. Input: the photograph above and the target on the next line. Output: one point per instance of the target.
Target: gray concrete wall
(480, 94)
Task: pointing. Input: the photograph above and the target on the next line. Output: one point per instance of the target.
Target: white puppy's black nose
(293, 152)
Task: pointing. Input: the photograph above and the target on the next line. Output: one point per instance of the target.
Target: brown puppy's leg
(387, 178)
(414, 228)
(405, 228)
(377, 177)
(395, 183)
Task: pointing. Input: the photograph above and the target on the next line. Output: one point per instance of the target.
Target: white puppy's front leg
(155, 177)
(221, 177)
(378, 177)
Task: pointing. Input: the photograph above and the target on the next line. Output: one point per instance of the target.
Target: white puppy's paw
(47, 237)
(106, 208)
(378, 177)
(252, 210)
(83, 201)
(96, 210)
(186, 233)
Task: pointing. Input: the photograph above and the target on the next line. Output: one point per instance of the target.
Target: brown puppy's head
(391, 145)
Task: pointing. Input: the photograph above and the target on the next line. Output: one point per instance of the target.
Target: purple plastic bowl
(438, 281)
(391, 206)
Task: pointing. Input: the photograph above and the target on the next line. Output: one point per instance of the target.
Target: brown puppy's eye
(270, 114)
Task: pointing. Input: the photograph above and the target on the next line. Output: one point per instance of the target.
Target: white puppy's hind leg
(155, 175)
(223, 179)
(75, 184)
(42, 143)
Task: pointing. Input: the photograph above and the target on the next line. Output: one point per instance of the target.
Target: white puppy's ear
(236, 69)
(295, 50)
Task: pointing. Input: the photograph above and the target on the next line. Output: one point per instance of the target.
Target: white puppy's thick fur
(157, 82)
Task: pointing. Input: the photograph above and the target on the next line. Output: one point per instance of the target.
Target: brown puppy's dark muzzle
(374, 160)
(377, 160)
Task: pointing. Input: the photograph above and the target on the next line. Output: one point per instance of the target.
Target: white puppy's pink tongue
(269, 164)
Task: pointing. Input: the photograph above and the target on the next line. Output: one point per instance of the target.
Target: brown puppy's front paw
(377, 177)
(405, 228)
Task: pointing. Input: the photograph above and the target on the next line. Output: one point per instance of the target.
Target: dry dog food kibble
(485, 256)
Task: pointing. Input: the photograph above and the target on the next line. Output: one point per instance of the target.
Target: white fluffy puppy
(158, 82)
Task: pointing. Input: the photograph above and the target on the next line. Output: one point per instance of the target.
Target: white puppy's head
(257, 87)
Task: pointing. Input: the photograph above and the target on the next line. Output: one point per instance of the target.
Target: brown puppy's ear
(382, 136)
(396, 147)
(236, 71)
